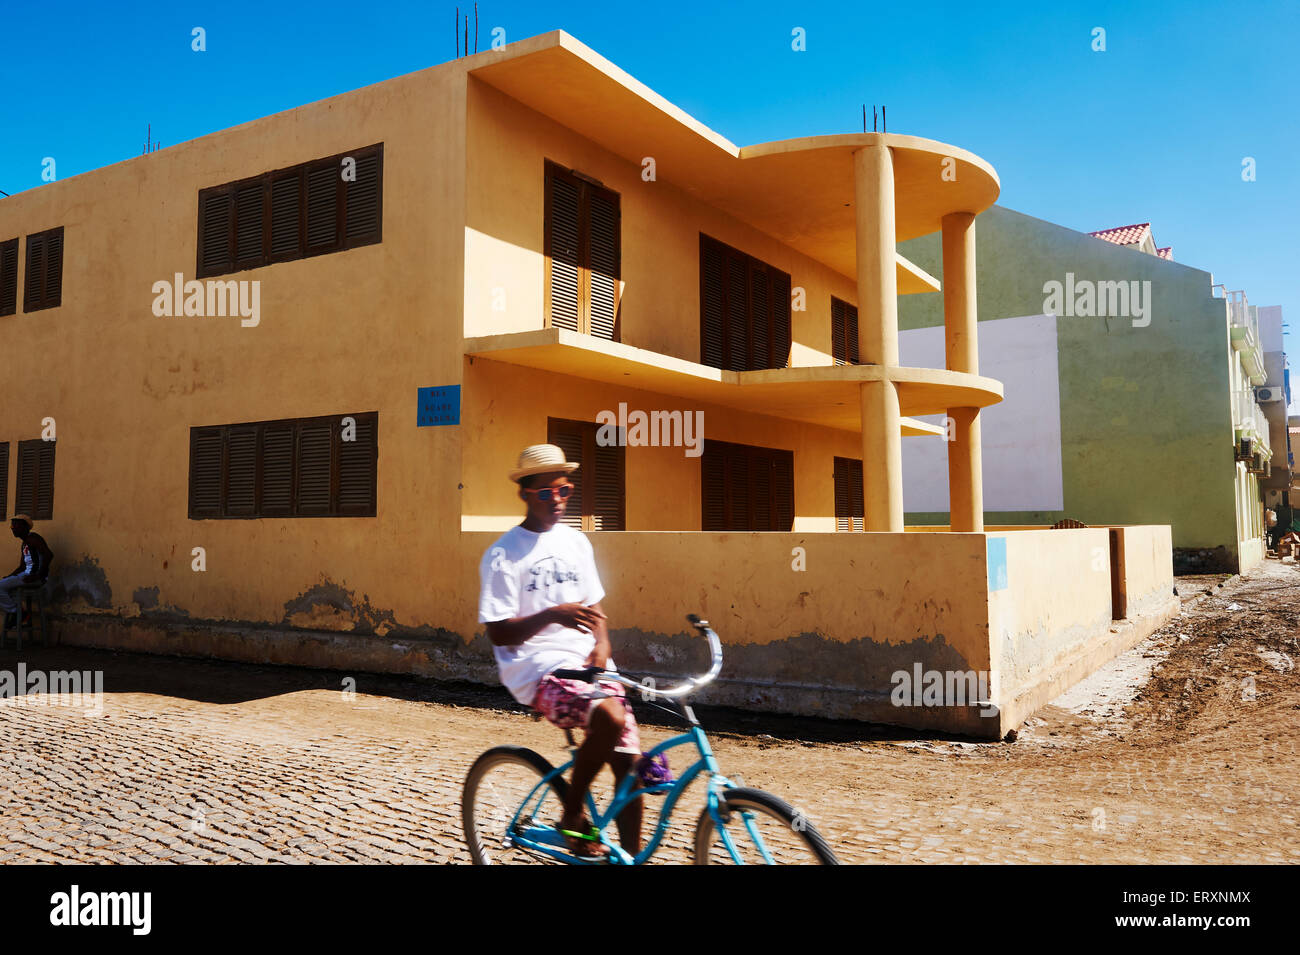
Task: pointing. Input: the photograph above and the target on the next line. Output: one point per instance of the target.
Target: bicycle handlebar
(590, 674)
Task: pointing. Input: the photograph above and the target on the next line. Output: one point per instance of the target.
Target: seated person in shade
(33, 567)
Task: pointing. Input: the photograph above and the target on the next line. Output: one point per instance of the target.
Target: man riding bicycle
(540, 599)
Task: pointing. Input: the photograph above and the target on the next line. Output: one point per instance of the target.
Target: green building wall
(1146, 413)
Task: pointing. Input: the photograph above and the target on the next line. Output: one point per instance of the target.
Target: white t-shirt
(523, 573)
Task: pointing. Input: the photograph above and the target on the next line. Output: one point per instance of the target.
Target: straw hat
(541, 459)
(25, 519)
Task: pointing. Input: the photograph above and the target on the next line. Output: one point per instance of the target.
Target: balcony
(1249, 422)
(1243, 319)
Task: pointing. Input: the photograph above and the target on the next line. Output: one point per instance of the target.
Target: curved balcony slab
(825, 395)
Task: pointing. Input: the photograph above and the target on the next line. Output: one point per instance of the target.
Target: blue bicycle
(513, 798)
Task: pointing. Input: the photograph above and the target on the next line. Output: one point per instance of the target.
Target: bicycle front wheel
(763, 830)
(493, 809)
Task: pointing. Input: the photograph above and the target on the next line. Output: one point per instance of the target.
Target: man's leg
(8, 602)
(629, 820)
(604, 727)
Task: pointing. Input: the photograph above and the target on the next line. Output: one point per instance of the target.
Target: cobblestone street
(196, 761)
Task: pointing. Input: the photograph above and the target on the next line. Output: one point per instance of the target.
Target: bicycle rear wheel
(764, 830)
(495, 789)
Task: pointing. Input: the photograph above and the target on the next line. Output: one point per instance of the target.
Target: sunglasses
(547, 493)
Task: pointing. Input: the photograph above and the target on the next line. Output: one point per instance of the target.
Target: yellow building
(290, 364)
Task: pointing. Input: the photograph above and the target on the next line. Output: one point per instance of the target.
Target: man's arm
(599, 656)
(512, 632)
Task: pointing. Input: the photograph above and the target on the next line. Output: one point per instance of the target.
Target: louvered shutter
(28, 467)
(740, 515)
(249, 202)
(216, 216)
(34, 278)
(569, 439)
(277, 469)
(761, 315)
(286, 215)
(712, 318)
(783, 490)
(206, 447)
(8, 279)
(605, 264)
(4, 479)
(44, 482)
(314, 458)
(323, 207)
(848, 494)
(737, 312)
(608, 478)
(563, 249)
(241, 471)
(357, 460)
(838, 324)
(762, 515)
(780, 356)
(363, 200)
(713, 474)
(851, 333)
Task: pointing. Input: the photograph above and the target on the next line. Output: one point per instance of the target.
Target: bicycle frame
(628, 790)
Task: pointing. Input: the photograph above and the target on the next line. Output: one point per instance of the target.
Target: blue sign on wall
(438, 405)
(997, 551)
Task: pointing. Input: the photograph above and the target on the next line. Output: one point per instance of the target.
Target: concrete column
(961, 353)
(960, 336)
(882, 447)
(965, 479)
(882, 457)
(873, 189)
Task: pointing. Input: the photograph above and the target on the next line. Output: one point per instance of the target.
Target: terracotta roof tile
(1166, 253)
(1125, 234)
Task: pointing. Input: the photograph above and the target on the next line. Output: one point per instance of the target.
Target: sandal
(585, 846)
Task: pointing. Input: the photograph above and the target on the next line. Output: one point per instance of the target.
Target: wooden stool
(39, 618)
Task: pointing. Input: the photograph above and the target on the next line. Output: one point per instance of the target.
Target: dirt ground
(1183, 750)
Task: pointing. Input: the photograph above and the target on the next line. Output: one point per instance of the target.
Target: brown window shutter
(249, 202)
(241, 471)
(323, 182)
(604, 255)
(357, 468)
(315, 468)
(277, 469)
(712, 302)
(746, 488)
(206, 453)
(569, 439)
(35, 492)
(713, 476)
(848, 494)
(563, 249)
(744, 310)
(4, 480)
(780, 320)
(782, 490)
(286, 215)
(25, 494)
(364, 198)
(607, 511)
(34, 278)
(9, 277)
(760, 303)
(738, 334)
(838, 324)
(851, 331)
(216, 225)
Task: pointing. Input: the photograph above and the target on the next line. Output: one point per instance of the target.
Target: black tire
(497, 783)
(785, 831)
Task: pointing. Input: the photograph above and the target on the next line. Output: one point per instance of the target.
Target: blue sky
(1155, 128)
